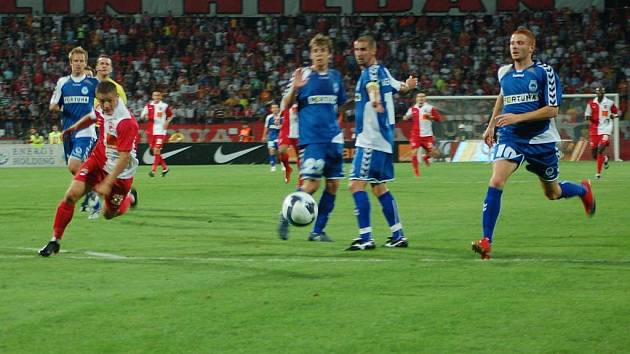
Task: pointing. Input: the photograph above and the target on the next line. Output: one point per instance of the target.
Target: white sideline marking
(105, 255)
(114, 257)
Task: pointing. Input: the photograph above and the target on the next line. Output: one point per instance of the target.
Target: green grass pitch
(198, 268)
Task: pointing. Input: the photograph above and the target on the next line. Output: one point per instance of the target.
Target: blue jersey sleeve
(552, 89)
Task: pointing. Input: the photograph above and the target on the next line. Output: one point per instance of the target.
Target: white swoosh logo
(148, 158)
(220, 157)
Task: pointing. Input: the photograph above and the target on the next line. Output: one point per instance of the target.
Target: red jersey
(601, 114)
(157, 113)
(421, 125)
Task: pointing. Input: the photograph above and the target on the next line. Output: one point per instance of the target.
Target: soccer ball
(299, 209)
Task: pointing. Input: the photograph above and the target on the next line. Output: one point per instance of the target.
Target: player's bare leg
(414, 162)
(283, 156)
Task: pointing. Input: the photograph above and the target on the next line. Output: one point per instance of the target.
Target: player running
(288, 137)
(110, 168)
(600, 112)
(530, 96)
(74, 97)
(160, 116)
(421, 134)
(270, 134)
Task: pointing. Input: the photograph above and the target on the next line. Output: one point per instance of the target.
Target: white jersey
(117, 137)
(422, 119)
(602, 114)
(157, 113)
(294, 132)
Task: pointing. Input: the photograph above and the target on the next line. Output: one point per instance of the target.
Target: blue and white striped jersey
(375, 130)
(317, 103)
(273, 126)
(526, 91)
(75, 96)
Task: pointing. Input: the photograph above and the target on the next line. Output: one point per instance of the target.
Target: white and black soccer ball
(299, 209)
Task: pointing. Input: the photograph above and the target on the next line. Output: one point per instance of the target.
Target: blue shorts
(78, 148)
(372, 166)
(321, 160)
(272, 144)
(542, 159)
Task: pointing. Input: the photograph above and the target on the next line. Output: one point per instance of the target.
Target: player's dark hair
(106, 87)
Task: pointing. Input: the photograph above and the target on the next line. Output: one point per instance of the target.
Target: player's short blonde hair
(321, 41)
(78, 50)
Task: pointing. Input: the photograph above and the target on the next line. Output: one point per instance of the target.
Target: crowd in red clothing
(219, 68)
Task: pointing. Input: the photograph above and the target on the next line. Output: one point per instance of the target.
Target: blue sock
(325, 207)
(272, 160)
(491, 208)
(390, 210)
(570, 189)
(362, 211)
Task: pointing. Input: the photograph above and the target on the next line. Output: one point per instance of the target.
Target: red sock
(163, 163)
(156, 161)
(62, 218)
(284, 158)
(124, 206)
(426, 159)
(416, 167)
(600, 162)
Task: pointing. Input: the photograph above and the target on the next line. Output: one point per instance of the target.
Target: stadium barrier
(26, 155)
(221, 153)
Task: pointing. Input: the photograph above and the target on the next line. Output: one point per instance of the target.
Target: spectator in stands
(35, 138)
(54, 137)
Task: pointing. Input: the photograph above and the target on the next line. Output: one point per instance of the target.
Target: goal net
(466, 118)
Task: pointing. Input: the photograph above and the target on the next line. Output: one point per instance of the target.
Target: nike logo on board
(220, 157)
(148, 157)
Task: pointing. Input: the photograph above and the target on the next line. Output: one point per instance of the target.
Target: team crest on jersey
(335, 87)
(84, 90)
(117, 199)
(533, 86)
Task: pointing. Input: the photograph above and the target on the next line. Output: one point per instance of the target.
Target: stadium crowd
(217, 68)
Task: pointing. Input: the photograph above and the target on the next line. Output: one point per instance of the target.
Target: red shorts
(285, 140)
(157, 141)
(599, 140)
(425, 141)
(92, 173)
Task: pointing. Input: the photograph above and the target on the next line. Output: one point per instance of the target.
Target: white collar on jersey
(77, 78)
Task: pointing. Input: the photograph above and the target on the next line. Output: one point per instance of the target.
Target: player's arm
(374, 93)
(265, 130)
(82, 123)
(408, 84)
(408, 114)
(56, 97)
(297, 82)
(488, 134)
(169, 117)
(543, 113)
(588, 113)
(435, 115)
(145, 112)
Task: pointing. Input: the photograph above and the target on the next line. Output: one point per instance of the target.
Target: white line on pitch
(113, 257)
